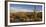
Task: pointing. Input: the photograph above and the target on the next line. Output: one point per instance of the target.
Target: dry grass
(25, 16)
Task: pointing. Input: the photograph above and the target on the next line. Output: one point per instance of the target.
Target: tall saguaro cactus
(35, 14)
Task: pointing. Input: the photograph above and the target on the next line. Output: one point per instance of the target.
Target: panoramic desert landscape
(25, 13)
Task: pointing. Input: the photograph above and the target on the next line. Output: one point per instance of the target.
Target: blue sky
(26, 7)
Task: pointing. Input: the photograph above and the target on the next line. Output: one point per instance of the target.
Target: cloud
(23, 10)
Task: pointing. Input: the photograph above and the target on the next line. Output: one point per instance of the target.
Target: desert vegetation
(25, 16)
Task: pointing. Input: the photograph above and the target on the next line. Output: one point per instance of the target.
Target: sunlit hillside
(25, 16)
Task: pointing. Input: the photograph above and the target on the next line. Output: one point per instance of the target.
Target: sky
(25, 8)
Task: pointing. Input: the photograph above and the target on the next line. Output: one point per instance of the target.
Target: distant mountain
(22, 10)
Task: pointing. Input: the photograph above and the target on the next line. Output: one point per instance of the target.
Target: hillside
(25, 16)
